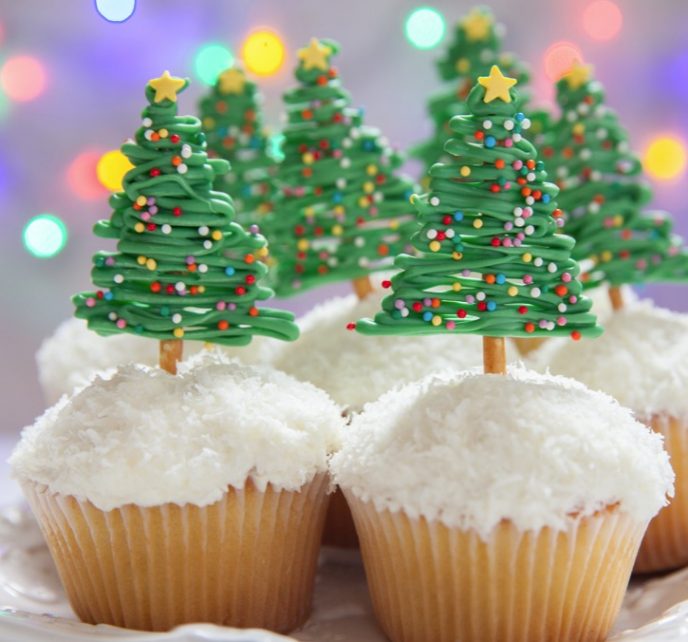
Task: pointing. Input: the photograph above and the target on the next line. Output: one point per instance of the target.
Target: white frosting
(73, 355)
(471, 449)
(355, 369)
(147, 437)
(641, 360)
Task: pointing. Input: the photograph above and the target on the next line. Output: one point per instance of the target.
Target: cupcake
(489, 506)
(72, 355)
(167, 499)
(642, 361)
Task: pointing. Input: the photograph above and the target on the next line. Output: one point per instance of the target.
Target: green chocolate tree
(475, 47)
(602, 193)
(183, 267)
(342, 212)
(489, 259)
(232, 119)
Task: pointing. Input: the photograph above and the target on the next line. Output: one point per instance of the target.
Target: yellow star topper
(497, 85)
(232, 81)
(166, 87)
(578, 75)
(315, 55)
(477, 25)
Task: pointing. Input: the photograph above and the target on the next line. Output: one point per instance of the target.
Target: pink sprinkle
(507, 243)
(90, 302)
(399, 304)
(517, 164)
(220, 305)
(566, 277)
(518, 242)
(507, 185)
(543, 323)
(561, 321)
(573, 299)
(110, 261)
(527, 279)
(153, 209)
(520, 236)
(427, 302)
(508, 142)
(151, 200)
(508, 226)
(190, 260)
(232, 306)
(337, 153)
(373, 211)
(145, 216)
(470, 299)
(450, 325)
(121, 324)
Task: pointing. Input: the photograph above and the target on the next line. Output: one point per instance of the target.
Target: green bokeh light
(425, 27)
(210, 61)
(45, 236)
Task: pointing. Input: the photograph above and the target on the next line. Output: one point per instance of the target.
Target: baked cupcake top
(73, 355)
(147, 437)
(355, 369)
(641, 360)
(471, 449)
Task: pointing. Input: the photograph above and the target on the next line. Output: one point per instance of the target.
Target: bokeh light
(4, 105)
(602, 20)
(665, 158)
(82, 176)
(211, 61)
(263, 52)
(22, 78)
(424, 27)
(45, 236)
(274, 147)
(111, 168)
(559, 58)
(116, 10)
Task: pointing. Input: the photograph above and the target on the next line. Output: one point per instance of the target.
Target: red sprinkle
(386, 284)
(575, 335)
(350, 326)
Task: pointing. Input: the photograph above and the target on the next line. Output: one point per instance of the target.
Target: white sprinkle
(487, 124)
(552, 267)
(480, 296)
(432, 234)
(508, 125)
(538, 262)
(345, 163)
(147, 122)
(529, 230)
(203, 230)
(112, 316)
(118, 278)
(434, 201)
(207, 245)
(182, 168)
(179, 286)
(535, 292)
(186, 151)
(202, 268)
(176, 318)
(166, 229)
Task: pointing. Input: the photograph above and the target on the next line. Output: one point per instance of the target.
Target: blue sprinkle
(368, 145)
(501, 279)
(408, 194)
(458, 216)
(164, 310)
(337, 197)
(491, 306)
(520, 116)
(490, 141)
(546, 198)
(108, 296)
(229, 270)
(458, 246)
(427, 316)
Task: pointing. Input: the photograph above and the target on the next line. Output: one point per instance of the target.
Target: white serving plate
(33, 607)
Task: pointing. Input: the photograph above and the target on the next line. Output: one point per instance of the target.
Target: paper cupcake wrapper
(430, 582)
(340, 530)
(665, 545)
(248, 560)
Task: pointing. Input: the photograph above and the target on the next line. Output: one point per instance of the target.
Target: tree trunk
(362, 287)
(170, 354)
(616, 297)
(494, 355)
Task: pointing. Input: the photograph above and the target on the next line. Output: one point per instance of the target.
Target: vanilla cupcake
(196, 497)
(73, 355)
(642, 361)
(489, 507)
(355, 369)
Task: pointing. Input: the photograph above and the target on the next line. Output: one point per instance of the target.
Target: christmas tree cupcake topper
(343, 212)
(602, 194)
(475, 46)
(490, 259)
(232, 119)
(183, 268)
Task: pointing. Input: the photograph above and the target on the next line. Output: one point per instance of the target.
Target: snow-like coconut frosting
(71, 357)
(355, 369)
(641, 360)
(471, 449)
(146, 437)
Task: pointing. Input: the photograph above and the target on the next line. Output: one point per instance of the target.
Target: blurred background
(72, 77)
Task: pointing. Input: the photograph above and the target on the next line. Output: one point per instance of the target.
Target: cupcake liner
(431, 582)
(665, 545)
(340, 530)
(248, 560)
